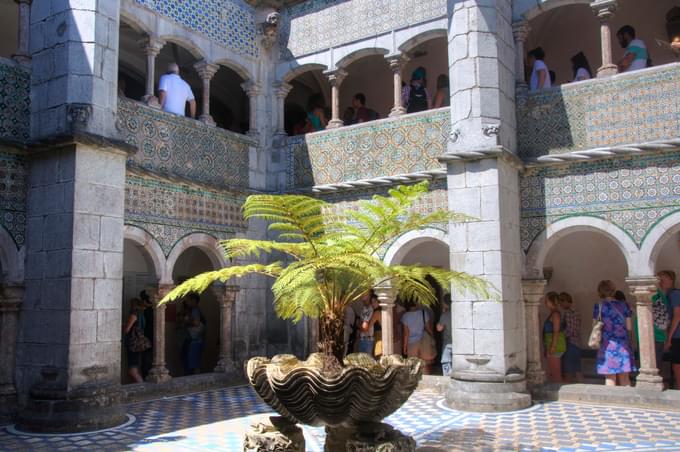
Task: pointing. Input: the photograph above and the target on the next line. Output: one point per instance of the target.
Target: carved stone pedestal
(273, 434)
(369, 437)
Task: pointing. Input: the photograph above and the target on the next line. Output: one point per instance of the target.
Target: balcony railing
(179, 146)
(638, 107)
(388, 147)
(15, 102)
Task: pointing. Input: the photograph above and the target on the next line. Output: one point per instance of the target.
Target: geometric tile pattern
(178, 146)
(632, 192)
(216, 420)
(305, 26)
(15, 102)
(230, 23)
(600, 113)
(13, 191)
(169, 211)
(409, 144)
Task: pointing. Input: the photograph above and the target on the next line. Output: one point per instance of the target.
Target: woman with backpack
(415, 96)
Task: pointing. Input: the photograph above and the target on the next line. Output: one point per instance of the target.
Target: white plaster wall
(430, 252)
(669, 258)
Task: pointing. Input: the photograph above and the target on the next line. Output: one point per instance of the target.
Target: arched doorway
(229, 104)
(431, 53)
(309, 87)
(371, 76)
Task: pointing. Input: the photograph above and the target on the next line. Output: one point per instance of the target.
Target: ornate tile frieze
(15, 102)
(230, 23)
(388, 147)
(307, 26)
(635, 108)
(633, 193)
(169, 211)
(13, 190)
(179, 146)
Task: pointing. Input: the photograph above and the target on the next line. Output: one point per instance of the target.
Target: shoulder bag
(136, 341)
(595, 338)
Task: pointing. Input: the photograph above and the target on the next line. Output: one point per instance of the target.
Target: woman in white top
(580, 66)
(540, 76)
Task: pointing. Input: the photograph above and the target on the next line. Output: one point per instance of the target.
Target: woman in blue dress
(615, 356)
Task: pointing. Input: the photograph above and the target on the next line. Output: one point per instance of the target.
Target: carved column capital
(252, 89)
(225, 293)
(533, 290)
(397, 61)
(386, 293)
(281, 89)
(642, 288)
(11, 297)
(604, 9)
(520, 30)
(151, 45)
(336, 77)
(205, 69)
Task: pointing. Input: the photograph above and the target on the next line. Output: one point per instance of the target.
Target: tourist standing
(174, 93)
(136, 321)
(554, 339)
(444, 327)
(667, 285)
(540, 75)
(581, 68)
(635, 55)
(415, 96)
(366, 339)
(361, 112)
(571, 360)
(442, 97)
(195, 334)
(415, 322)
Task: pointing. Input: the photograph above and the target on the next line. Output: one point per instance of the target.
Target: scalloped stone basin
(364, 391)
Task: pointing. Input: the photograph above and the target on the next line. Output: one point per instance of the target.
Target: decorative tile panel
(13, 189)
(631, 108)
(407, 144)
(632, 193)
(316, 25)
(169, 211)
(15, 102)
(174, 145)
(230, 23)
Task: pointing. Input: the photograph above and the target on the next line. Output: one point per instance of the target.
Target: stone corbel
(270, 30)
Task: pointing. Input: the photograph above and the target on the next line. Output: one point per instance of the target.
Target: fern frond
(248, 247)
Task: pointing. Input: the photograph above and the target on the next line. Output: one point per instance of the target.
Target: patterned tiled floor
(216, 420)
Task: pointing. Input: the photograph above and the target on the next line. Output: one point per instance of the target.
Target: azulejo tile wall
(13, 189)
(170, 211)
(178, 146)
(392, 146)
(632, 193)
(15, 102)
(306, 26)
(626, 109)
(230, 23)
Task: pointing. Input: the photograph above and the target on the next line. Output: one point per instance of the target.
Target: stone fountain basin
(365, 390)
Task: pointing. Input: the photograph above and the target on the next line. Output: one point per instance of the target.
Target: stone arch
(529, 9)
(152, 249)
(243, 72)
(205, 242)
(406, 242)
(355, 55)
(135, 22)
(299, 70)
(535, 258)
(11, 258)
(187, 43)
(654, 241)
(414, 41)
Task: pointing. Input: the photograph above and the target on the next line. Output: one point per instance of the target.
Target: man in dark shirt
(362, 114)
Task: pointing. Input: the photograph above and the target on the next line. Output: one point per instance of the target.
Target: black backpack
(417, 99)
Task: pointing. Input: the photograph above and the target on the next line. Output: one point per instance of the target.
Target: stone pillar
(642, 288)
(397, 63)
(158, 372)
(11, 296)
(604, 9)
(151, 47)
(489, 350)
(281, 90)
(23, 55)
(206, 71)
(520, 31)
(253, 91)
(335, 78)
(226, 297)
(387, 296)
(533, 290)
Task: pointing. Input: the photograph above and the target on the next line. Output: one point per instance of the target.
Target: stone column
(604, 9)
(158, 372)
(206, 71)
(642, 288)
(387, 296)
(23, 55)
(533, 290)
(335, 78)
(520, 31)
(226, 297)
(281, 90)
(397, 63)
(253, 91)
(151, 47)
(11, 296)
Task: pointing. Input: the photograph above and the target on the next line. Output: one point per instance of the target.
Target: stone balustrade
(387, 147)
(633, 108)
(15, 102)
(178, 146)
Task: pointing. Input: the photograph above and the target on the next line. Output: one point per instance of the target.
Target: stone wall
(15, 102)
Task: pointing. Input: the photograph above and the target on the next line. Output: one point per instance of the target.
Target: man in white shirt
(174, 93)
(635, 56)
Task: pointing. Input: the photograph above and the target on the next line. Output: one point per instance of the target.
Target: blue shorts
(571, 360)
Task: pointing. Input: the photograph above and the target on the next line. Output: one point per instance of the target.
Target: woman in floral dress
(615, 356)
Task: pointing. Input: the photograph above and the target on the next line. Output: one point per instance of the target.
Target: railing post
(335, 79)
(253, 90)
(22, 55)
(520, 32)
(226, 297)
(386, 296)
(533, 293)
(604, 9)
(642, 289)
(206, 71)
(159, 373)
(281, 90)
(152, 47)
(397, 63)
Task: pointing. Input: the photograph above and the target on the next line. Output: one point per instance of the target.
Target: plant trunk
(332, 340)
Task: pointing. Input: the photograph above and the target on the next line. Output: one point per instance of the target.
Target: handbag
(137, 342)
(595, 338)
(428, 349)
